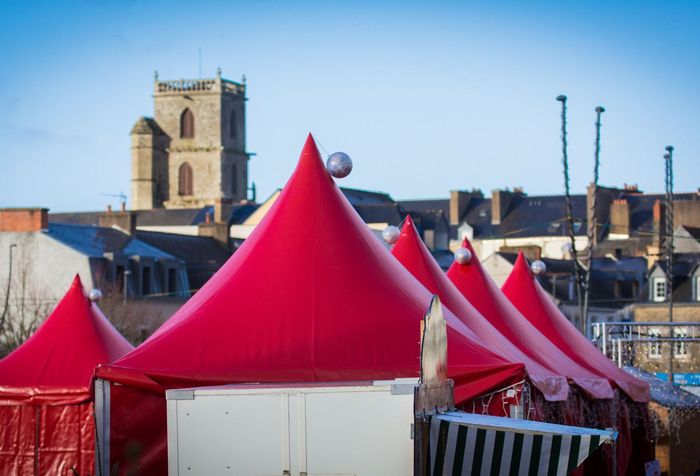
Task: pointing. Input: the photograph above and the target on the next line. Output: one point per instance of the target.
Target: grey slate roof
(605, 273)
(366, 197)
(95, 241)
(159, 216)
(203, 256)
(543, 215)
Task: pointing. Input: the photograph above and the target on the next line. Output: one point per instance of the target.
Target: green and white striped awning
(482, 445)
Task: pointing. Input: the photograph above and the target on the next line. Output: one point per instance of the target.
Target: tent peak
(468, 245)
(77, 282)
(521, 264)
(408, 225)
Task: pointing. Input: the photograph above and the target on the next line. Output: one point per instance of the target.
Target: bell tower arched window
(186, 124)
(184, 176)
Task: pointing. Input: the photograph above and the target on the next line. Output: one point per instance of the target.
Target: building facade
(193, 151)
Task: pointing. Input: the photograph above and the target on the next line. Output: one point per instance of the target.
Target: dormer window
(658, 289)
(186, 124)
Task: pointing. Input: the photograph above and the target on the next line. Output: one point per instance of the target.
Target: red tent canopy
(414, 255)
(55, 365)
(46, 413)
(533, 302)
(311, 295)
(478, 287)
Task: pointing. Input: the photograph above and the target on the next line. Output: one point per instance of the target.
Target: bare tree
(134, 319)
(27, 308)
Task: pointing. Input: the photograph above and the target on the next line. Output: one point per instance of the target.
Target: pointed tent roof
(311, 295)
(414, 255)
(55, 365)
(533, 302)
(478, 287)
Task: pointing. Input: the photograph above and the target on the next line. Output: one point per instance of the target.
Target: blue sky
(425, 96)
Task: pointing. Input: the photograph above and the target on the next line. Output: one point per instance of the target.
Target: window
(184, 177)
(146, 281)
(119, 278)
(172, 281)
(187, 124)
(680, 348)
(234, 179)
(697, 288)
(658, 289)
(655, 345)
(233, 125)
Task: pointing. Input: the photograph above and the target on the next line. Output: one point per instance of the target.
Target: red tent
(414, 255)
(535, 304)
(633, 447)
(46, 413)
(478, 287)
(311, 295)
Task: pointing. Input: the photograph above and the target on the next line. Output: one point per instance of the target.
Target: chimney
(501, 200)
(658, 223)
(222, 210)
(124, 220)
(461, 201)
(686, 213)
(603, 198)
(620, 217)
(631, 188)
(24, 219)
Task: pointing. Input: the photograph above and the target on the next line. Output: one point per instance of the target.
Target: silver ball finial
(463, 256)
(538, 267)
(339, 164)
(391, 234)
(95, 295)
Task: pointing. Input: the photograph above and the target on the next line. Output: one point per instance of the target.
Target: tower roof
(319, 302)
(146, 126)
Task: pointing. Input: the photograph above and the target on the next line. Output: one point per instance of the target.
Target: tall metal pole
(7, 293)
(668, 159)
(593, 225)
(569, 209)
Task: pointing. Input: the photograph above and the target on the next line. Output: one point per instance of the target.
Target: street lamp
(126, 284)
(7, 293)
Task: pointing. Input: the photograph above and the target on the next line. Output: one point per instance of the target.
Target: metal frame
(102, 416)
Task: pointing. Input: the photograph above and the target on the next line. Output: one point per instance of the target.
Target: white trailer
(307, 429)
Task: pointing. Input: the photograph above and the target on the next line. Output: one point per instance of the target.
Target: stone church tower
(192, 153)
